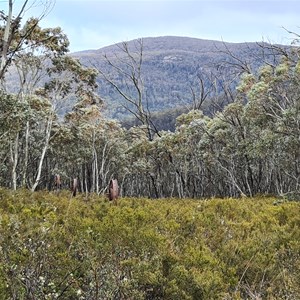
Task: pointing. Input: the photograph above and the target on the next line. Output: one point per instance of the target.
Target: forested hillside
(171, 69)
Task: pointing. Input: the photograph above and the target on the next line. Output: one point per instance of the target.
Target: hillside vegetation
(57, 247)
(170, 69)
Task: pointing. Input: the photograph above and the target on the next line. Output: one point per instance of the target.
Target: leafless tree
(127, 63)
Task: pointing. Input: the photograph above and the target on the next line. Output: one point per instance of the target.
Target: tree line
(249, 147)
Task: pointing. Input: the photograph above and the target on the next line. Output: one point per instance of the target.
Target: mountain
(171, 69)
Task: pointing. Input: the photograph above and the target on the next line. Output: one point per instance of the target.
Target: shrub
(53, 246)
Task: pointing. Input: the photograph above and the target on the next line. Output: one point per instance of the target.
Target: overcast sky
(98, 23)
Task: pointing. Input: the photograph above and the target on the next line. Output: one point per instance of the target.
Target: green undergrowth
(58, 247)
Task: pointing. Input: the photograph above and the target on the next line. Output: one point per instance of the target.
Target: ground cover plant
(58, 247)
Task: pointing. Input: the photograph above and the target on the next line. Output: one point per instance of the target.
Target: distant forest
(175, 71)
(221, 120)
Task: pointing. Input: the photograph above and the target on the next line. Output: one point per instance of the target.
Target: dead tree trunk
(113, 190)
(74, 187)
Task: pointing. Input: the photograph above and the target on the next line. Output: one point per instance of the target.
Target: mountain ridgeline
(172, 71)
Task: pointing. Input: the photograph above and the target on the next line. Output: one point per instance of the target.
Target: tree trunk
(26, 153)
(14, 152)
(5, 44)
(45, 148)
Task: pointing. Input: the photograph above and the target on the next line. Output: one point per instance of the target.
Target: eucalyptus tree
(255, 139)
(67, 78)
(128, 63)
(47, 77)
(14, 39)
(140, 164)
(92, 147)
(204, 91)
(84, 122)
(25, 47)
(43, 46)
(273, 106)
(13, 117)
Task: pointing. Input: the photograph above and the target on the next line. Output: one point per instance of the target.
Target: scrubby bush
(58, 247)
